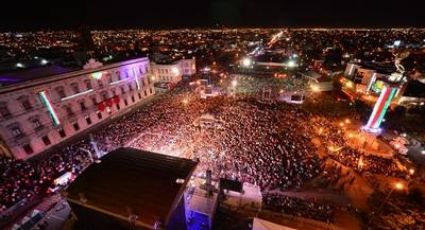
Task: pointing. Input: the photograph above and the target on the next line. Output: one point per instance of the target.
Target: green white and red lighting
(380, 108)
(136, 78)
(50, 109)
(97, 75)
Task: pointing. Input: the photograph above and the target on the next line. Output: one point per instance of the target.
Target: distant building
(371, 78)
(318, 82)
(42, 107)
(173, 72)
(132, 189)
(367, 78)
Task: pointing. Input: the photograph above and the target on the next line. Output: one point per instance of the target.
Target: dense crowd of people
(299, 207)
(238, 138)
(31, 179)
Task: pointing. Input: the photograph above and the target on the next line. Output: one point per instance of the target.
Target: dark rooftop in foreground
(32, 74)
(133, 179)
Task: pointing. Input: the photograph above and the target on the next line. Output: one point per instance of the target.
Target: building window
(140, 96)
(28, 149)
(130, 87)
(132, 99)
(99, 115)
(36, 123)
(88, 84)
(94, 100)
(83, 106)
(127, 74)
(140, 70)
(100, 83)
(122, 90)
(118, 107)
(125, 102)
(62, 133)
(146, 93)
(69, 111)
(88, 120)
(150, 90)
(61, 92)
(118, 75)
(75, 88)
(4, 111)
(16, 132)
(104, 96)
(26, 104)
(76, 126)
(46, 140)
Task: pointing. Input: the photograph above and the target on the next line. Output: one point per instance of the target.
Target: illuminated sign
(377, 86)
(96, 75)
(136, 78)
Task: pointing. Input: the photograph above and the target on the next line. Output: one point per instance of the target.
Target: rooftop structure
(129, 182)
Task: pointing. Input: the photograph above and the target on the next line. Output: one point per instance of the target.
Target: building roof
(271, 57)
(32, 74)
(38, 76)
(130, 179)
(415, 89)
(386, 68)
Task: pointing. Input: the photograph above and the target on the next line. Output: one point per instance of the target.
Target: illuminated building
(175, 71)
(42, 107)
(367, 78)
(371, 79)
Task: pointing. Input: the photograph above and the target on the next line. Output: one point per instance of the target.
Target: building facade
(365, 79)
(174, 72)
(40, 113)
(371, 81)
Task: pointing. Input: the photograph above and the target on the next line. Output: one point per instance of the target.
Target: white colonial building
(175, 71)
(39, 110)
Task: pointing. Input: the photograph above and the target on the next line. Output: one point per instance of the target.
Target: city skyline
(207, 14)
(212, 115)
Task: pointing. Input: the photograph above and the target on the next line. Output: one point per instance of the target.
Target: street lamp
(246, 62)
(185, 101)
(397, 186)
(291, 64)
(315, 88)
(234, 83)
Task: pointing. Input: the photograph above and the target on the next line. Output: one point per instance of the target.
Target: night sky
(21, 15)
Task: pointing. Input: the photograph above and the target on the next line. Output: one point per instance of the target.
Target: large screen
(377, 86)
